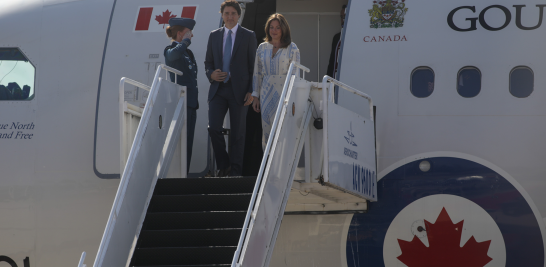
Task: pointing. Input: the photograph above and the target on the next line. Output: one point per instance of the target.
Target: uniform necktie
(227, 55)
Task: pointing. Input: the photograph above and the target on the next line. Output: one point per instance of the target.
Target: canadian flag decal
(155, 18)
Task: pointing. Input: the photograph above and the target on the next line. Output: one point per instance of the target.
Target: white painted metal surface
(307, 194)
(349, 144)
(492, 129)
(129, 125)
(59, 186)
(313, 144)
(314, 197)
(276, 174)
(129, 118)
(136, 54)
(56, 202)
(149, 159)
(82, 260)
(314, 240)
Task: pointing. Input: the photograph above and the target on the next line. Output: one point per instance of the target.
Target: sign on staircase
(350, 158)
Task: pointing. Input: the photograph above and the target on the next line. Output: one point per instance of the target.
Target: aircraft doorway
(313, 25)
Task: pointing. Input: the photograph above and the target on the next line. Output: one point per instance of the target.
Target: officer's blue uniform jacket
(178, 56)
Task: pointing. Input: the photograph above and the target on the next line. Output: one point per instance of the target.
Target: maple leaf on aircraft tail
(444, 248)
(164, 18)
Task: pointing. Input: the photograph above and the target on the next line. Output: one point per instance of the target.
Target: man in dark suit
(336, 45)
(229, 65)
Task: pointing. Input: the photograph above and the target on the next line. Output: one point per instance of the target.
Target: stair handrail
(330, 95)
(82, 260)
(120, 194)
(294, 67)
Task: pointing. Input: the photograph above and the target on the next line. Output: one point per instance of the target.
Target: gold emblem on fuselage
(387, 14)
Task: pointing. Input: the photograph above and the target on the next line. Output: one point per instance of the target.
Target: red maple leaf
(164, 19)
(444, 238)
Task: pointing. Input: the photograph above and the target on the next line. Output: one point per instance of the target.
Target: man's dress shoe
(224, 172)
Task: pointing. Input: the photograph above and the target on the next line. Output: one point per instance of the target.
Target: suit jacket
(179, 57)
(241, 64)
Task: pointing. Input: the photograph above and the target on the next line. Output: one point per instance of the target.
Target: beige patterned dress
(270, 73)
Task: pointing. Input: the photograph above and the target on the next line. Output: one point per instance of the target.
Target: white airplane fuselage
(60, 159)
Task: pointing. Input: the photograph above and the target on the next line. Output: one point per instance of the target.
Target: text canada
(394, 38)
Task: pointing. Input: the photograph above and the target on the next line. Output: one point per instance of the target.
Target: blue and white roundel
(459, 213)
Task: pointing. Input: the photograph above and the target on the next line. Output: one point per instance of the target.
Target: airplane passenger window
(522, 81)
(422, 82)
(16, 75)
(469, 82)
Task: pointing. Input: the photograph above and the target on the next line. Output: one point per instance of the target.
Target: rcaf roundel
(444, 230)
(156, 18)
(459, 213)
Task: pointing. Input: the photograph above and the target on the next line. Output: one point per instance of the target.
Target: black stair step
(193, 220)
(189, 238)
(182, 256)
(189, 203)
(193, 186)
(214, 265)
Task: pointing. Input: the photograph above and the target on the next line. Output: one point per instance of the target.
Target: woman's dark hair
(172, 31)
(231, 3)
(286, 38)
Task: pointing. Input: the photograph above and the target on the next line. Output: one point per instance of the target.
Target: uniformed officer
(178, 56)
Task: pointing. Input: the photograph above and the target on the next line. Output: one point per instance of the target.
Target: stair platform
(314, 198)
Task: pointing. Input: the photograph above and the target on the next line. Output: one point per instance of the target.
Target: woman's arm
(295, 56)
(258, 73)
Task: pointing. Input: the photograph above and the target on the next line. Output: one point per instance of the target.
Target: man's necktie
(227, 55)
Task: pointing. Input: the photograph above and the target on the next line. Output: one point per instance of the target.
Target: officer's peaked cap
(188, 23)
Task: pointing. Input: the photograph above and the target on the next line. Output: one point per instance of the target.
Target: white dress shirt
(233, 34)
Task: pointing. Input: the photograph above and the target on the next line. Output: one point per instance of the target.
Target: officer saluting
(178, 56)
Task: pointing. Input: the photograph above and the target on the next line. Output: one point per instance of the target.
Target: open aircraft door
(349, 145)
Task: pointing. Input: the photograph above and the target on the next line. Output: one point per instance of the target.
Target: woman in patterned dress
(273, 59)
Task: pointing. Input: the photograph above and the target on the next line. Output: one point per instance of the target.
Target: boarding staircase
(218, 221)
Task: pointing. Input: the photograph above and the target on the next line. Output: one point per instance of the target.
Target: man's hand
(218, 75)
(256, 104)
(248, 99)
